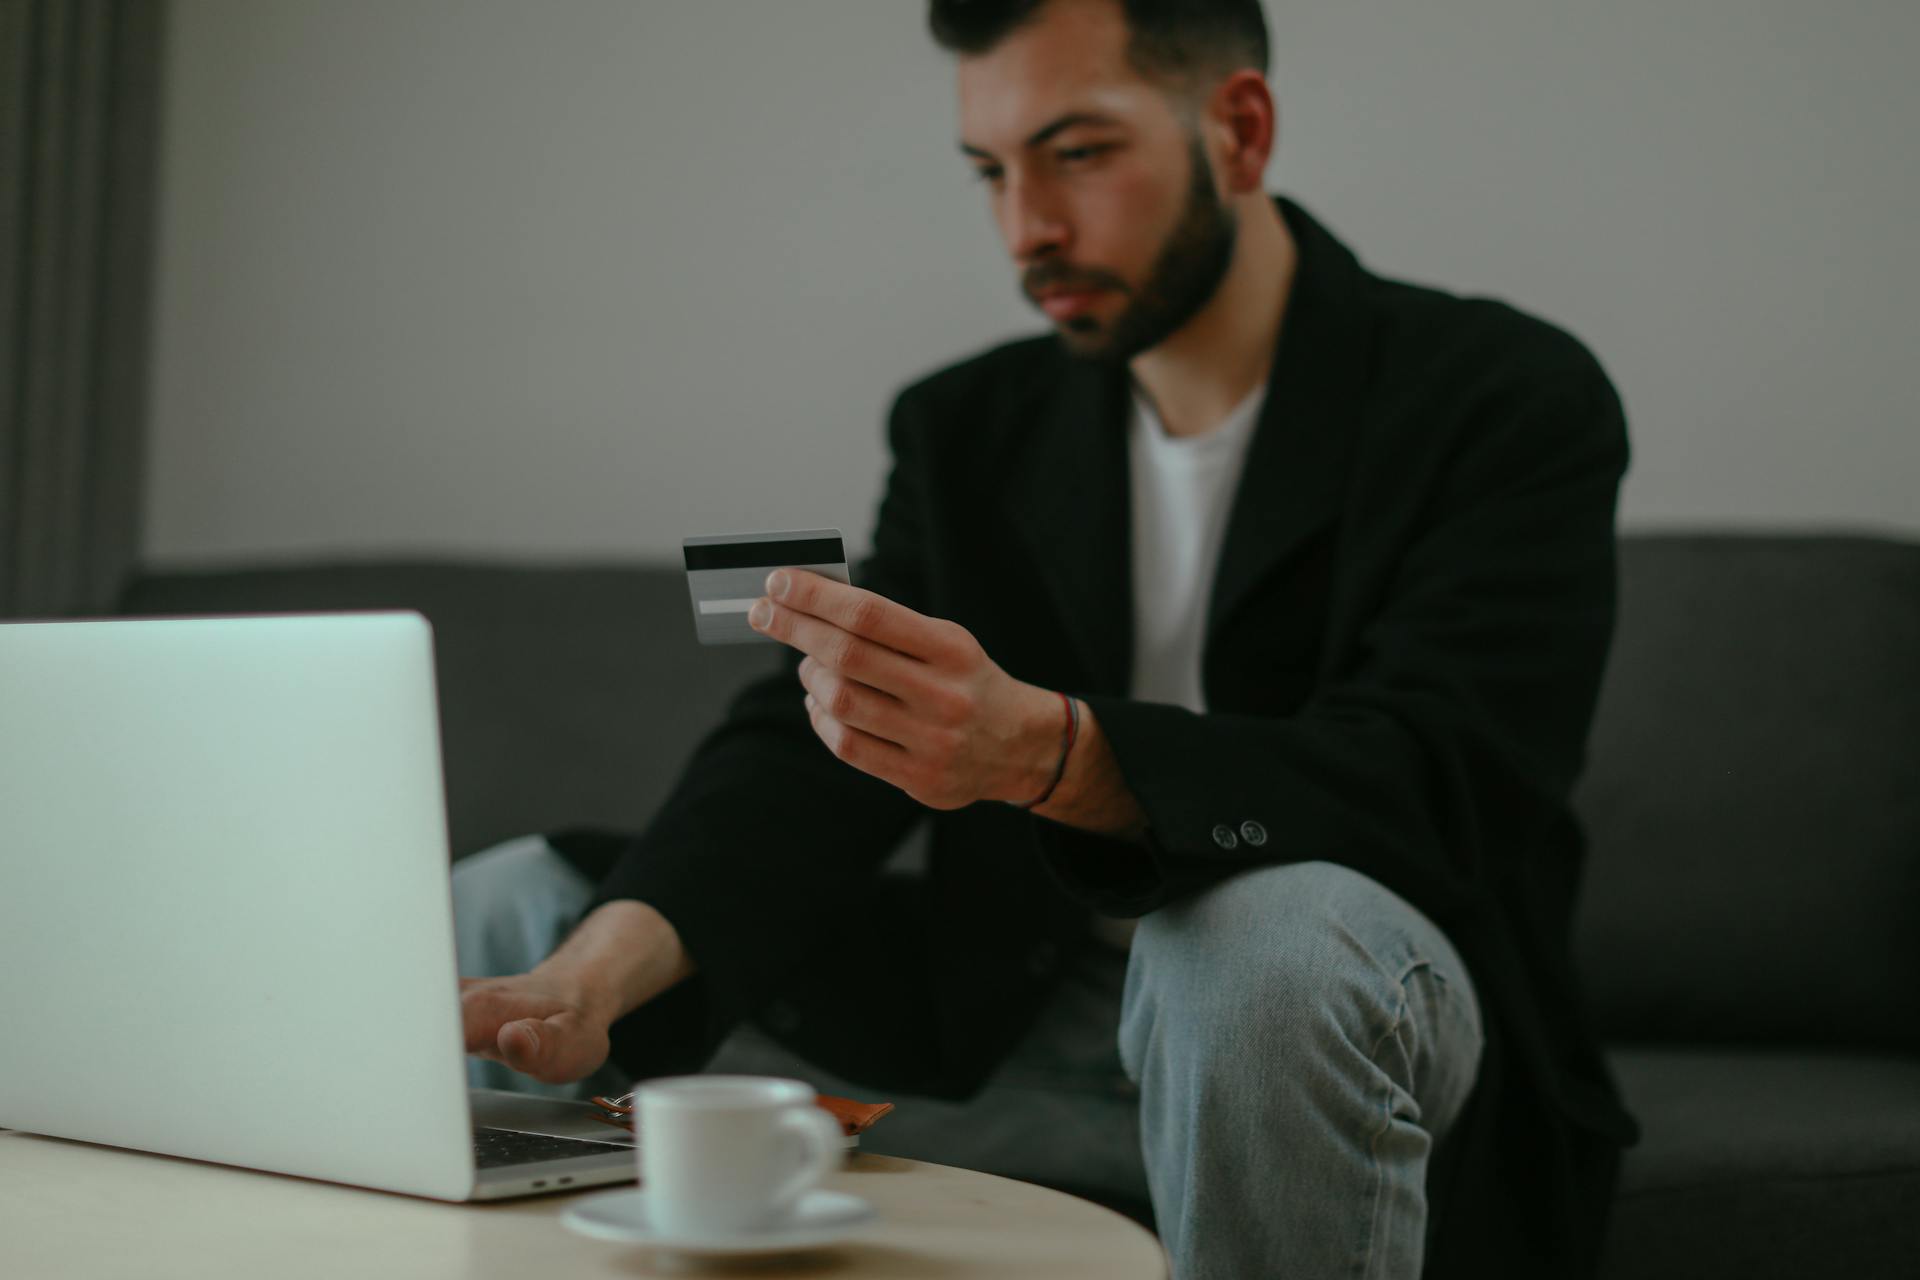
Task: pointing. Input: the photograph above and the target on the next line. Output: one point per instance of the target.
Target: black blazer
(1404, 643)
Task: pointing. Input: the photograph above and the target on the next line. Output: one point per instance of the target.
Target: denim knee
(1294, 959)
(512, 905)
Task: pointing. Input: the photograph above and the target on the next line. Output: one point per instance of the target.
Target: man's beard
(1189, 268)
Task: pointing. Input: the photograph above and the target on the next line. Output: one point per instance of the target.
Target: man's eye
(1074, 155)
(987, 173)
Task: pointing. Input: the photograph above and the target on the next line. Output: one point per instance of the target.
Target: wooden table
(71, 1209)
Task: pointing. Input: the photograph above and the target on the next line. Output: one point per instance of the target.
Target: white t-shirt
(1182, 488)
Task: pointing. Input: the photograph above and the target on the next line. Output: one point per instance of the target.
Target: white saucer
(820, 1218)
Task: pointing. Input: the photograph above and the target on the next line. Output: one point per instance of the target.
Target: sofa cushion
(569, 695)
(1761, 1163)
(1752, 797)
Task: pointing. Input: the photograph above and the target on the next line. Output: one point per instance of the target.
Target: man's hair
(1183, 41)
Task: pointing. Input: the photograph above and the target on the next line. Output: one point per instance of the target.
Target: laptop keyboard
(494, 1148)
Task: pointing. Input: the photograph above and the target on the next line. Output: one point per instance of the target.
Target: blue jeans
(1271, 1064)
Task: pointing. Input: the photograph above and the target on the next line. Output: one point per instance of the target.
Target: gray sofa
(1750, 932)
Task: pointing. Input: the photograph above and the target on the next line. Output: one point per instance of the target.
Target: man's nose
(1031, 221)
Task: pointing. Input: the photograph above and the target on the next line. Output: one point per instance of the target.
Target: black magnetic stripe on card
(770, 555)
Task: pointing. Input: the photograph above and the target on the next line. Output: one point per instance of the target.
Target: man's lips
(1061, 303)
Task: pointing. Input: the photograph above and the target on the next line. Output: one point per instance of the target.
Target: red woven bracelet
(1066, 747)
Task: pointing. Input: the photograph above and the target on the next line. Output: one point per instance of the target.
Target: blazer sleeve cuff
(1186, 847)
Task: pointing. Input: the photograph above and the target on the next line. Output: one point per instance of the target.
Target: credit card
(727, 572)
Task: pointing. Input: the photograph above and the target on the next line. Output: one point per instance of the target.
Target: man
(1264, 602)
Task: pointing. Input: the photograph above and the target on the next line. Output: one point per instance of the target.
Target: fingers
(509, 1020)
(554, 1050)
(519, 1046)
(872, 617)
(884, 760)
(858, 657)
(857, 705)
(480, 1014)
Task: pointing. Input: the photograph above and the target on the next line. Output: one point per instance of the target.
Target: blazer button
(1253, 833)
(1224, 837)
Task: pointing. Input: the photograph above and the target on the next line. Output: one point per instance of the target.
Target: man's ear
(1242, 114)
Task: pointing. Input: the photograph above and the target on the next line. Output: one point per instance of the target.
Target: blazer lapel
(1068, 491)
(1068, 494)
(1294, 480)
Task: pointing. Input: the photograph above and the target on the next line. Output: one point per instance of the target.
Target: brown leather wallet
(855, 1117)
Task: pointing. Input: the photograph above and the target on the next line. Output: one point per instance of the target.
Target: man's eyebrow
(1047, 130)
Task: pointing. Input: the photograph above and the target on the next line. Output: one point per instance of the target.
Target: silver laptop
(226, 930)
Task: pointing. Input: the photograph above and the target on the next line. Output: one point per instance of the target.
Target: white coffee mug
(723, 1154)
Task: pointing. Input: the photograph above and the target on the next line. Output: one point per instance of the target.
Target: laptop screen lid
(225, 927)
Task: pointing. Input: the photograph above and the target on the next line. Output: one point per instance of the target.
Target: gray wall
(579, 278)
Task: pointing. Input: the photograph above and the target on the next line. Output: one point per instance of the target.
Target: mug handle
(822, 1149)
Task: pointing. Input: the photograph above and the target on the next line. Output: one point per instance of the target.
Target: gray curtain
(78, 104)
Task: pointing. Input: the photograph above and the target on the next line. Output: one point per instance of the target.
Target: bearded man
(1237, 641)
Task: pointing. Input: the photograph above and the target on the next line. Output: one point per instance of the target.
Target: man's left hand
(912, 700)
